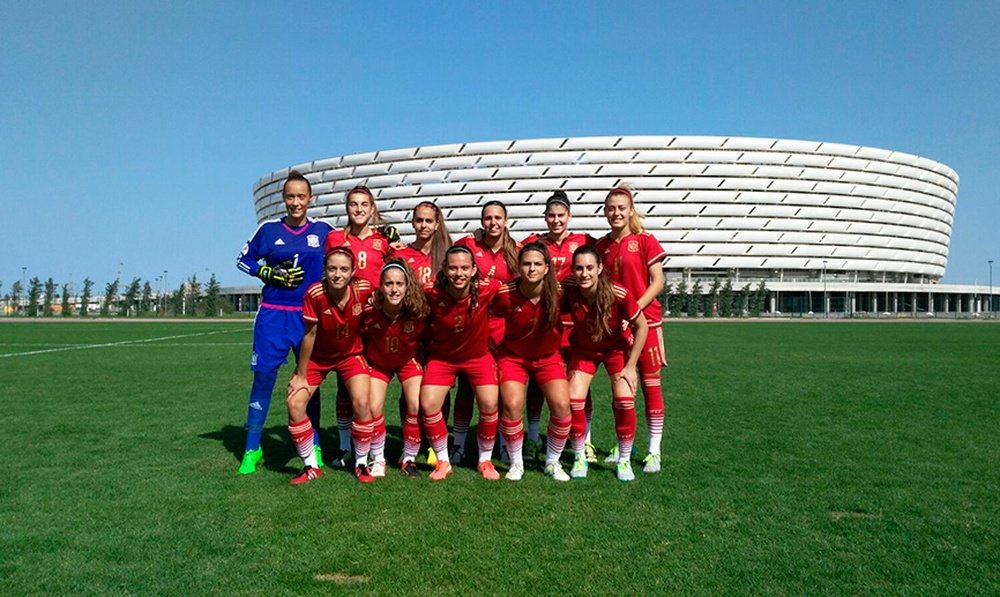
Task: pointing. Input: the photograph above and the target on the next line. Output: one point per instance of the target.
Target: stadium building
(830, 229)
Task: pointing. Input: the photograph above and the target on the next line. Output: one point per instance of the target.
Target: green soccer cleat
(319, 456)
(250, 460)
(624, 472)
(651, 463)
(579, 470)
(590, 451)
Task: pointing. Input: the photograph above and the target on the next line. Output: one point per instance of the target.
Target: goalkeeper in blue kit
(287, 255)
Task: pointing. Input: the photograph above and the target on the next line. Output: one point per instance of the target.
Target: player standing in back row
(291, 250)
(633, 258)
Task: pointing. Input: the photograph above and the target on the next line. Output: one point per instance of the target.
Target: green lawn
(799, 458)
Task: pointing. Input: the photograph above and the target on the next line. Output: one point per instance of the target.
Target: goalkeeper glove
(389, 231)
(284, 274)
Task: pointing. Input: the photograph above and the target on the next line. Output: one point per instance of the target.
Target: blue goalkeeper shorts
(275, 331)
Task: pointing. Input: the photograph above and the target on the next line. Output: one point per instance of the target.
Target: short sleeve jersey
(339, 333)
(390, 343)
(370, 252)
(274, 243)
(457, 332)
(562, 252)
(527, 333)
(623, 310)
(628, 260)
(419, 262)
(490, 263)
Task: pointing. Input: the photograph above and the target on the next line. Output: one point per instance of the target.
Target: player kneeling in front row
(392, 330)
(332, 310)
(600, 310)
(530, 349)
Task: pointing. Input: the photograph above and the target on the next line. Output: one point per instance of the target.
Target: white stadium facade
(831, 229)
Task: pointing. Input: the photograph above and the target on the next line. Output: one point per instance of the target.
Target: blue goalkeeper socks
(260, 402)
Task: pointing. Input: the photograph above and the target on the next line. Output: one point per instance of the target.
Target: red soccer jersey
(624, 309)
(457, 332)
(370, 252)
(562, 252)
(628, 260)
(419, 262)
(338, 334)
(527, 333)
(490, 263)
(390, 343)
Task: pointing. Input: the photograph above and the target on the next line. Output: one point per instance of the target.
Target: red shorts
(653, 357)
(407, 370)
(614, 361)
(481, 371)
(346, 368)
(519, 369)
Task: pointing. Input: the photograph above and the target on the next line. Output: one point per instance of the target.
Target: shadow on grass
(279, 453)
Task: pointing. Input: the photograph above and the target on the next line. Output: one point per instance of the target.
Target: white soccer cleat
(377, 469)
(516, 472)
(651, 463)
(624, 472)
(555, 470)
(579, 470)
(613, 456)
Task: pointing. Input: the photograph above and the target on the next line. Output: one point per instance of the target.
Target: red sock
(411, 437)
(378, 437)
(486, 433)
(302, 436)
(556, 436)
(437, 434)
(624, 408)
(361, 433)
(578, 426)
(513, 434)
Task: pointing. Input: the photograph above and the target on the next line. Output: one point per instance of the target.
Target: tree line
(137, 299)
(718, 300)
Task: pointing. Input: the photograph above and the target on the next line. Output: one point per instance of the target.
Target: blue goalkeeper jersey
(274, 243)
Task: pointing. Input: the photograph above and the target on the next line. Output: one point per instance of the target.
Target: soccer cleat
(488, 471)
(343, 460)
(363, 474)
(432, 458)
(516, 472)
(579, 470)
(457, 455)
(377, 468)
(319, 456)
(250, 460)
(624, 472)
(591, 453)
(441, 470)
(555, 470)
(308, 474)
(410, 469)
(613, 456)
(651, 463)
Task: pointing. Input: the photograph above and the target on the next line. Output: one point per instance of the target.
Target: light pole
(989, 304)
(826, 304)
(24, 289)
(163, 295)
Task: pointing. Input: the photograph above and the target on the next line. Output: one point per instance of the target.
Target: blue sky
(133, 132)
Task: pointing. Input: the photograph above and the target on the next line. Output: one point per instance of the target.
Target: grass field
(803, 458)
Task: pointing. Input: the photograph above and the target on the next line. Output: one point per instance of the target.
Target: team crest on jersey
(377, 244)
(312, 240)
(356, 310)
(573, 247)
(408, 327)
(633, 246)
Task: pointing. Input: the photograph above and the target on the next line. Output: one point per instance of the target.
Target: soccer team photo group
(512, 325)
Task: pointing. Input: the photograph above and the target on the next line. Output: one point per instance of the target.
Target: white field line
(111, 344)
